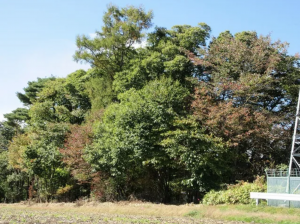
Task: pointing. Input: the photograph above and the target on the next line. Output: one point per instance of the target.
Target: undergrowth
(236, 194)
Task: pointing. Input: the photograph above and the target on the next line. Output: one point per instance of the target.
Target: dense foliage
(167, 120)
(235, 194)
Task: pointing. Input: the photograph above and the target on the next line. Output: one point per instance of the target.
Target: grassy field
(125, 212)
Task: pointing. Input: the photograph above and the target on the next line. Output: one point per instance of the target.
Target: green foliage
(62, 100)
(13, 181)
(204, 157)
(154, 121)
(127, 140)
(16, 152)
(111, 49)
(99, 88)
(17, 117)
(165, 55)
(130, 131)
(16, 183)
(193, 214)
(282, 167)
(236, 194)
(31, 91)
(6, 134)
(3, 175)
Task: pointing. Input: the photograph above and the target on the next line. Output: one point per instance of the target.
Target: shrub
(236, 194)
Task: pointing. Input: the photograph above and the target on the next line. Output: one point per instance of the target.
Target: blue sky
(37, 38)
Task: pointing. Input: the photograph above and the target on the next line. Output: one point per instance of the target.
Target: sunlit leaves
(112, 47)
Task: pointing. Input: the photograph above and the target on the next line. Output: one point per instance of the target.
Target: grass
(125, 212)
(252, 213)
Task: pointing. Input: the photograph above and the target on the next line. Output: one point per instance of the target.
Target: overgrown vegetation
(235, 194)
(166, 122)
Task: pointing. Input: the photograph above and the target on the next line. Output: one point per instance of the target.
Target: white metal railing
(274, 196)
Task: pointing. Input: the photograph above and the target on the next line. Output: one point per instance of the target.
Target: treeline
(164, 116)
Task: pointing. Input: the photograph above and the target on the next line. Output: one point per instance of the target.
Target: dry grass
(186, 213)
(122, 208)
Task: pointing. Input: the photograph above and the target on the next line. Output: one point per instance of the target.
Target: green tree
(140, 136)
(34, 87)
(43, 160)
(99, 89)
(17, 118)
(112, 48)
(6, 134)
(62, 100)
(3, 175)
(165, 55)
(34, 153)
(203, 160)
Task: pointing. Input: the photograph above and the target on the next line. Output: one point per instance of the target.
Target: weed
(193, 214)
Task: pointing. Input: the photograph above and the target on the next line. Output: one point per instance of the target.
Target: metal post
(292, 158)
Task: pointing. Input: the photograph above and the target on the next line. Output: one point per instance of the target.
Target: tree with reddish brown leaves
(243, 96)
(78, 138)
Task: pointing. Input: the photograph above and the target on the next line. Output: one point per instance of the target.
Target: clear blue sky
(37, 38)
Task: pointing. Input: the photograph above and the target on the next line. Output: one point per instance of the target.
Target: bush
(236, 194)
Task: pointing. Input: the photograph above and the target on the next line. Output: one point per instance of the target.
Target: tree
(62, 100)
(127, 140)
(203, 160)
(143, 135)
(242, 98)
(6, 134)
(111, 49)
(17, 118)
(44, 161)
(31, 91)
(165, 55)
(4, 188)
(99, 89)
(35, 153)
(61, 103)
(151, 122)
(72, 151)
(259, 67)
